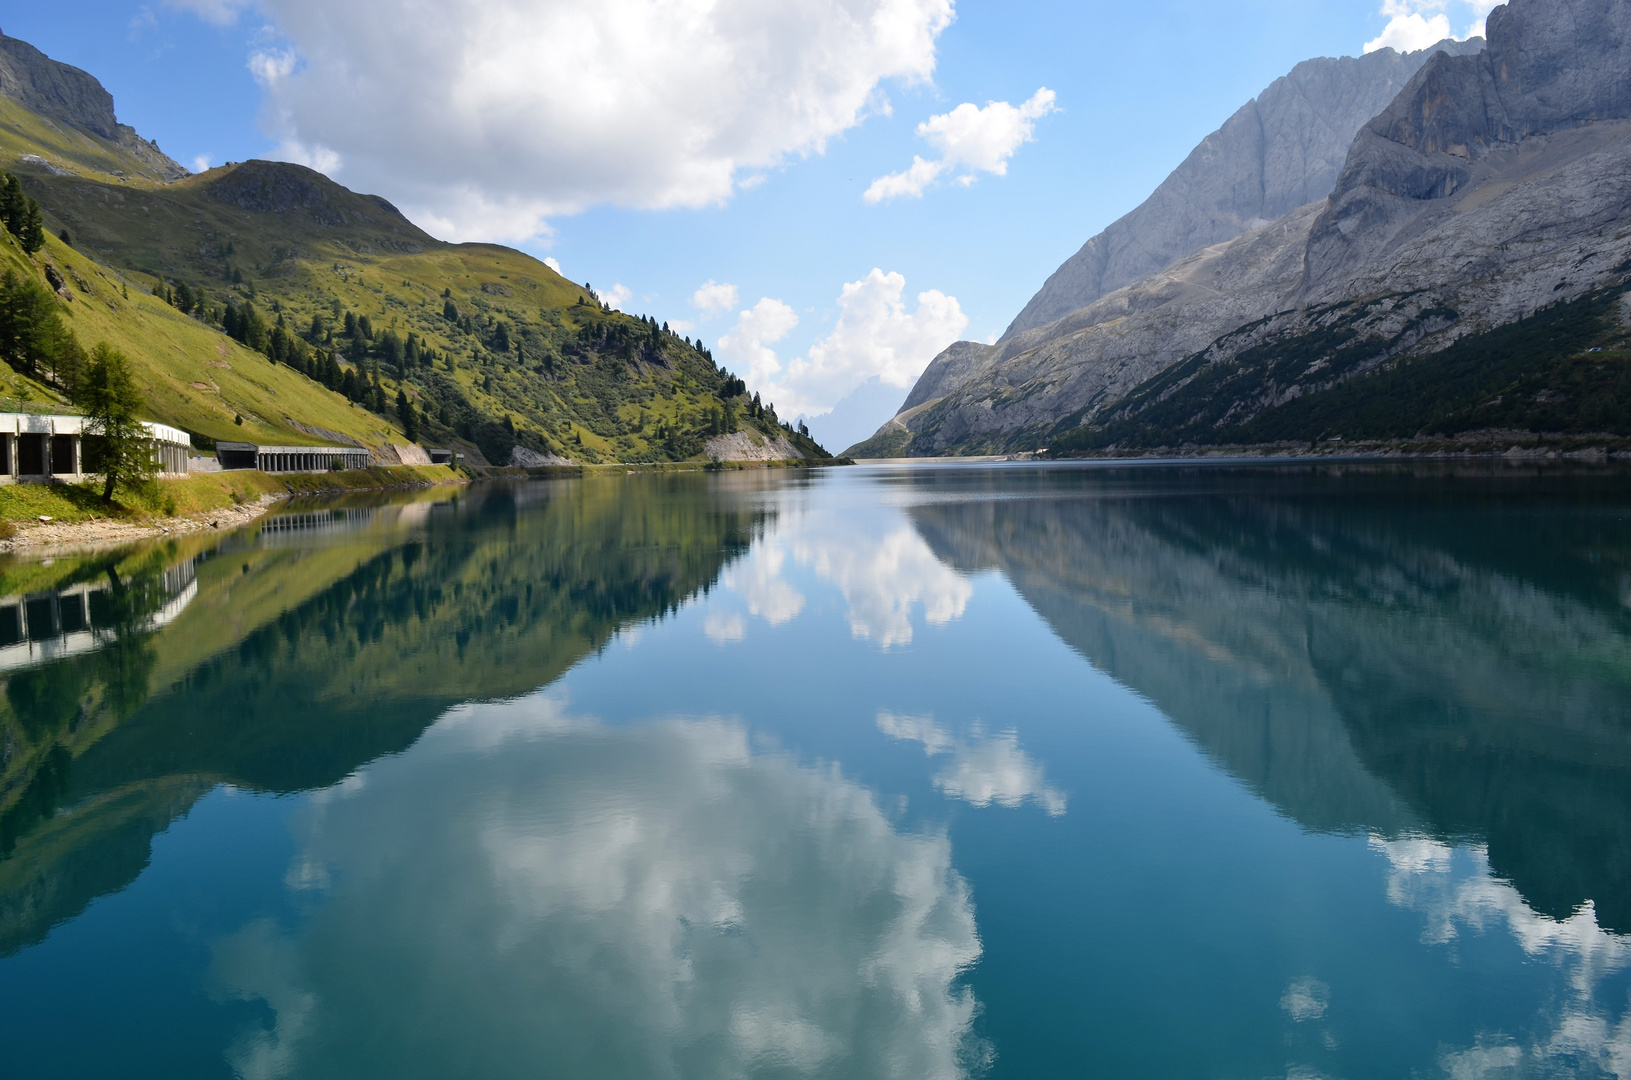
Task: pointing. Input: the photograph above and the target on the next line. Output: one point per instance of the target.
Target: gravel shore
(100, 532)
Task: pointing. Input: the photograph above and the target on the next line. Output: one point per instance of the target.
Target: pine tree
(13, 205)
(33, 336)
(32, 234)
(122, 450)
(405, 412)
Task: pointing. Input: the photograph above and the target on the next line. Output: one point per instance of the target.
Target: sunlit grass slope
(192, 375)
(518, 342)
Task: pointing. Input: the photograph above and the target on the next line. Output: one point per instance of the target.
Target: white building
(41, 448)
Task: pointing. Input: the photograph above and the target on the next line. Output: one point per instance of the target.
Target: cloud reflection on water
(883, 577)
(527, 891)
(982, 770)
(1457, 893)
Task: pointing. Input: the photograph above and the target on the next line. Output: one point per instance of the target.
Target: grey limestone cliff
(64, 93)
(1280, 151)
(1494, 185)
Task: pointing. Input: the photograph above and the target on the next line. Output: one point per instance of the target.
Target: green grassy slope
(523, 343)
(66, 147)
(192, 375)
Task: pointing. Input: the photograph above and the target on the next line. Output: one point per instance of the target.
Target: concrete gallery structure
(243, 455)
(38, 449)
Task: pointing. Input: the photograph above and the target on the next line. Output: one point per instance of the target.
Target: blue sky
(610, 147)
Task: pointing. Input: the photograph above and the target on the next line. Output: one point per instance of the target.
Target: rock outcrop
(1280, 151)
(1551, 67)
(279, 187)
(742, 446)
(523, 458)
(65, 93)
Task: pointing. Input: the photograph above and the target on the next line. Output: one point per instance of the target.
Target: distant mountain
(856, 414)
(1460, 287)
(306, 309)
(1281, 150)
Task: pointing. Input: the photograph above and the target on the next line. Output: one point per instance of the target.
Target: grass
(191, 375)
(202, 493)
(25, 132)
(577, 381)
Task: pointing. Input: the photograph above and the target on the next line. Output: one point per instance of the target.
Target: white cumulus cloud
(486, 117)
(910, 182)
(714, 298)
(971, 140)
(747, 347)
(1417, 24)
(876, 334)
(616, 296)
(553, 265)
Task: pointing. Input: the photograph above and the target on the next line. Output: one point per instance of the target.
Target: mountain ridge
(477, 346)
(1280, 151)
(1492, 188)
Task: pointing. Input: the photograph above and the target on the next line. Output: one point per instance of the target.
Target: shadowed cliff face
(388, 623)
(1445, 665)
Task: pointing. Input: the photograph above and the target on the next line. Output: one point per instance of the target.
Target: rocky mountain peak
(1279, 151)
(63, 93)
(1550, 66)
(55, 89)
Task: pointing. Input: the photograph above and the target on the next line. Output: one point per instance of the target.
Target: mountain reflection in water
(943, 771)
(1370, 648)
(298, 663)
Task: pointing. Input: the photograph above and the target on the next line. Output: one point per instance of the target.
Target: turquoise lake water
(1299, 771)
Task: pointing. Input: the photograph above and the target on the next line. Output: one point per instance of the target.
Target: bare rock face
(1550, 66)
(66, 93)
(741, 446)
(54, 89)
(1494, 185)
(1280, 151)
(953, 366)
(524, 458)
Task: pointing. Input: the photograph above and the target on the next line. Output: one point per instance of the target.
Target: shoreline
(227, 507)
(47, 537)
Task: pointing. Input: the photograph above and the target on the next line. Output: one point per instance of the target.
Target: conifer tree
(13, 205)
(32, 234)
(405, 412)
(109, 398)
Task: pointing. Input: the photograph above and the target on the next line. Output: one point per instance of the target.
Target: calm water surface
(953, 771)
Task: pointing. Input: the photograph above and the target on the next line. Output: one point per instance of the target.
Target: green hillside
(192, 375)
(266, 290)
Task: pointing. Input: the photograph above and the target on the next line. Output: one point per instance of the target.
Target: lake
(1204, 770)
